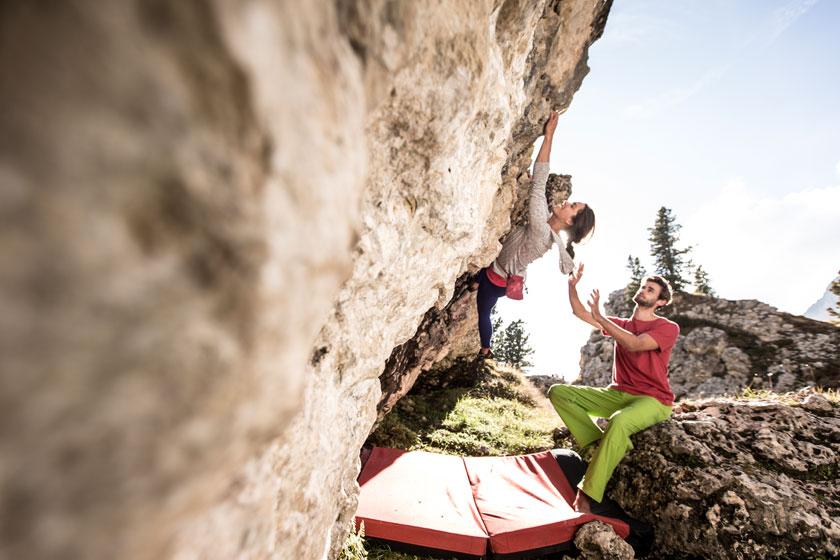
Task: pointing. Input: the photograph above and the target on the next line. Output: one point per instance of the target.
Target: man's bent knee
(559, 391)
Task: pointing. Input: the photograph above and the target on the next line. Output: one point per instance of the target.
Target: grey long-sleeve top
(525, 244)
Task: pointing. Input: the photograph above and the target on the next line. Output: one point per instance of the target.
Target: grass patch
(501, 413)
(789, 398)
(383, 552)
(354, 547)
(495, 426)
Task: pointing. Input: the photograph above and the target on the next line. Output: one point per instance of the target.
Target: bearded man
(640, 394)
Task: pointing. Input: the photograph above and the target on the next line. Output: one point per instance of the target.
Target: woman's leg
(488, 295)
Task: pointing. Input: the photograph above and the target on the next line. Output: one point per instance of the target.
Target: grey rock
(544, 382)
(733, 479)
(596, 540)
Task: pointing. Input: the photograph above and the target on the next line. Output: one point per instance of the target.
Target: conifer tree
(499, 339)
(514, 348)
(669, 261)
(637, 274)
(701, 282)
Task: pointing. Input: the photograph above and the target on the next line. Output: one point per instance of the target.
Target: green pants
(628, 414)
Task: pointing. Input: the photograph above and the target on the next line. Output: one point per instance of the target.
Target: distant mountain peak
(819, 309)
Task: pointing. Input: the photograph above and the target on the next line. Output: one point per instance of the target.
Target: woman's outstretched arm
(537, 207)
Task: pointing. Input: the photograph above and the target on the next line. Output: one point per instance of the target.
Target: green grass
(790, 398)
(500, 414)
(381, 552)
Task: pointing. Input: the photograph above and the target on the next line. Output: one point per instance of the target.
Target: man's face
(648, 294)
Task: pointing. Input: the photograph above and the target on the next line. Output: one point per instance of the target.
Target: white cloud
(781, 250)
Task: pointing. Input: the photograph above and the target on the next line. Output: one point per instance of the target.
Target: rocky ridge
(725, 346)
(738, 479)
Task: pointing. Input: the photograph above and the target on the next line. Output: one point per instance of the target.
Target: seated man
(639, 395)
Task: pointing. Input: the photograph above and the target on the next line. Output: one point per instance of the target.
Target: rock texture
(726, 346)
(544, 382)
(218, 222)
(598, 541)
(176, 221)
(728, 479)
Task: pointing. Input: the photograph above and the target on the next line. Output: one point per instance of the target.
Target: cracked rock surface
(732, 479)
(598, 541)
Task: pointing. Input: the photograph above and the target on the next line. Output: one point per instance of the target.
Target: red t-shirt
(645, 373)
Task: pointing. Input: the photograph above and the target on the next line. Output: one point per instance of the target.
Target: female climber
(525, 244)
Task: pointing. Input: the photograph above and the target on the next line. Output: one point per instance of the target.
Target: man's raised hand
(594, 305)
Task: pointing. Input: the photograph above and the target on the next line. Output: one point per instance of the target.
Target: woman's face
(567, 211)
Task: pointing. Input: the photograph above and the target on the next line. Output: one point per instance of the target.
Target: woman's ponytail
(582, 226)
(570, 249)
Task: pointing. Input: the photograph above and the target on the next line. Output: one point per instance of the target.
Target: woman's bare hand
(551, 123)
(574, 277)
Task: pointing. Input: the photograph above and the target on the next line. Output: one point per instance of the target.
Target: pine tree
(499, 338)
(669, 262)
(637, 275)
(835, 289)
(701, 282)
(510, 345)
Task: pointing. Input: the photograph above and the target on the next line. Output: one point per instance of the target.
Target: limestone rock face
(725, 346)
(735, 479)
(219, 221)
(176, 221)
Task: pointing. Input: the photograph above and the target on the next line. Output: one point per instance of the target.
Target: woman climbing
(525, 244)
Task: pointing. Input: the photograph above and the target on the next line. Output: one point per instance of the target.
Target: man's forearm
(625, 338)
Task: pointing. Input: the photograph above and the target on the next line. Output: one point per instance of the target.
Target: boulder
(739, 479)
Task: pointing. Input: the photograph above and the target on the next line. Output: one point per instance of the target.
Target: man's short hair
(664, 288)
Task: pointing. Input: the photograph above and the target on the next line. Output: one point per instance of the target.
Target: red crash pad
(422, 499)
(526, 502)
(472, 505)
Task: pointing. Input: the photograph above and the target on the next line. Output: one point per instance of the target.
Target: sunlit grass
(790, 398)
(502, 414)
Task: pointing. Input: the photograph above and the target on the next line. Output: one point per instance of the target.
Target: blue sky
(727, 113)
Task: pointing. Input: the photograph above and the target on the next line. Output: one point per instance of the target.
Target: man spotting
(639, 395)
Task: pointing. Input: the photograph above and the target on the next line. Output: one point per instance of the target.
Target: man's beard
(639, 300)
